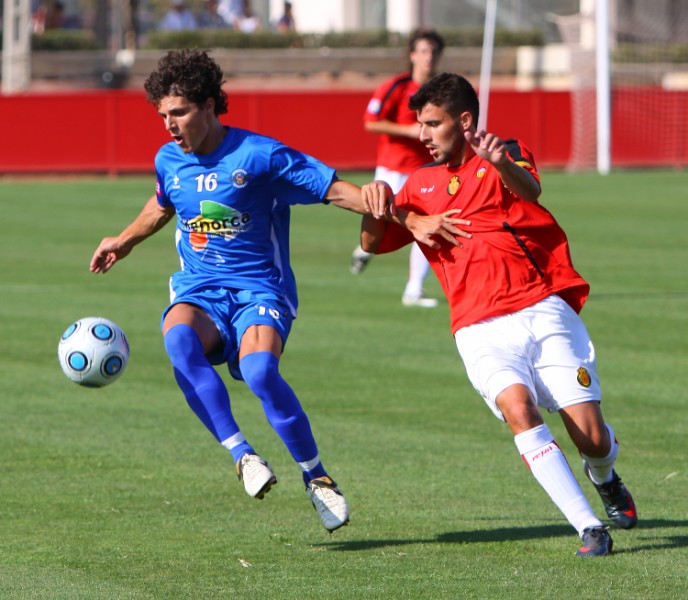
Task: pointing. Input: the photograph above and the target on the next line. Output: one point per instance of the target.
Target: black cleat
(596, 542)
(617, 501)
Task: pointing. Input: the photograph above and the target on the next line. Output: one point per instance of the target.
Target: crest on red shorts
(583, 377)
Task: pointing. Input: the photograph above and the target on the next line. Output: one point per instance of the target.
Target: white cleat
(256, 474)
(329, 503)
(419, 300)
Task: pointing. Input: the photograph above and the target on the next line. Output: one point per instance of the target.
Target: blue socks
(283, 410)
(203, 388)
(207, 396)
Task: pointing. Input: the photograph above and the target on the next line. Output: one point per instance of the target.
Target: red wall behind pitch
(117, 131)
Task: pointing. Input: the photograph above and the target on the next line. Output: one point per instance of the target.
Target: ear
(210, 105)
(466, 120)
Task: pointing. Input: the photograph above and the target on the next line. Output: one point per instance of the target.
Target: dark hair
(451, 91)
(426, 34)
(190, 74)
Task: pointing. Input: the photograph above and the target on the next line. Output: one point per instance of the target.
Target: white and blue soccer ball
(93, 352)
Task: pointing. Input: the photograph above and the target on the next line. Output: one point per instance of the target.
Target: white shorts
(545, 347)
(395, 179)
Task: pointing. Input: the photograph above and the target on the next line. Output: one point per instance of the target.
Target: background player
(233, 301)
(514, 297)
(399, 150)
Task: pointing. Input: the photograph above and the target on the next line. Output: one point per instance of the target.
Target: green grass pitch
(120, 493)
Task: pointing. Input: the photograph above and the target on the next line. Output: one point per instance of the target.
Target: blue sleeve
(160, 193)
(290, 195)
(303, 172)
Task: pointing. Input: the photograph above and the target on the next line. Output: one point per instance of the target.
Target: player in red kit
(514, 298)
(399, 151)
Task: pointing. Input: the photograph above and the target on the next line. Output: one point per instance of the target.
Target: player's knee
(597, 443)
(260, 372)
(181, 343)
(518, 408)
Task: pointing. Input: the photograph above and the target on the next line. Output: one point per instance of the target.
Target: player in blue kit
(234, 299)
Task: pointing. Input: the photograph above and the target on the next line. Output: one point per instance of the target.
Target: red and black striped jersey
(518, 253)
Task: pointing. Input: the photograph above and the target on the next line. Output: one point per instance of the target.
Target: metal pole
(603, 84)
(16, 47)
(486, 62)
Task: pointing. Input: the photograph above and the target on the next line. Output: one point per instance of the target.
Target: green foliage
(82, 39)
(220, 38)
(64, 39)
(380, 38)
(473, 37)
(348, 39)
(650, 53)
(120, 493)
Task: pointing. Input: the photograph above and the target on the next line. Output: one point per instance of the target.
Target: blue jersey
(233, 209)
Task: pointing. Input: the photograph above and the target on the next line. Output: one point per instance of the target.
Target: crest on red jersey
(454, 184)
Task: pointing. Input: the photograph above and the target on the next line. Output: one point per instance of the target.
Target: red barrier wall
(117, 131)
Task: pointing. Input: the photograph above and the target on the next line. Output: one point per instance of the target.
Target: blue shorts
(233, 312)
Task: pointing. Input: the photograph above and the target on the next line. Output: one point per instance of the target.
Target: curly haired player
(234, 299)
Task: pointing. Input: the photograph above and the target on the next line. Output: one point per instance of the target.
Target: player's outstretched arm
(372, 232)
(152, 218)
(426, 229)
(432, 229)
(517, 180)
(373, 199)
(410, 130)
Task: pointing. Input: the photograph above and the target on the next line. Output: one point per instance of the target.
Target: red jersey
(518, 254)
(390, 103)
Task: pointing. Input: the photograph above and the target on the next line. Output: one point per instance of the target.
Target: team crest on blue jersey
(454, 184)
(175, 182)
(583, 377)
(239, 178)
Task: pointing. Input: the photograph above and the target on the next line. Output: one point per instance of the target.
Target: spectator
(247, 21)
(38, 18)
(286, 22)
(228, 10)
(209, 17)
(178, 18)
(54, 16)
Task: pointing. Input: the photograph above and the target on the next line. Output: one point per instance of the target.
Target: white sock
(419, 267)
(361, 253)
(234, 441)
(548, 465)
(309, 465)
(601, 468)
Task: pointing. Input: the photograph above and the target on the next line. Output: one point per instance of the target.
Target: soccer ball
(93, 352)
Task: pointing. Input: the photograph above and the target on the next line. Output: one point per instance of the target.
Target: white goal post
(16, 46)
(595, 14)
(603, 81)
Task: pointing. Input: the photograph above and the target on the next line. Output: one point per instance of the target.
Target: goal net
(649, 84)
